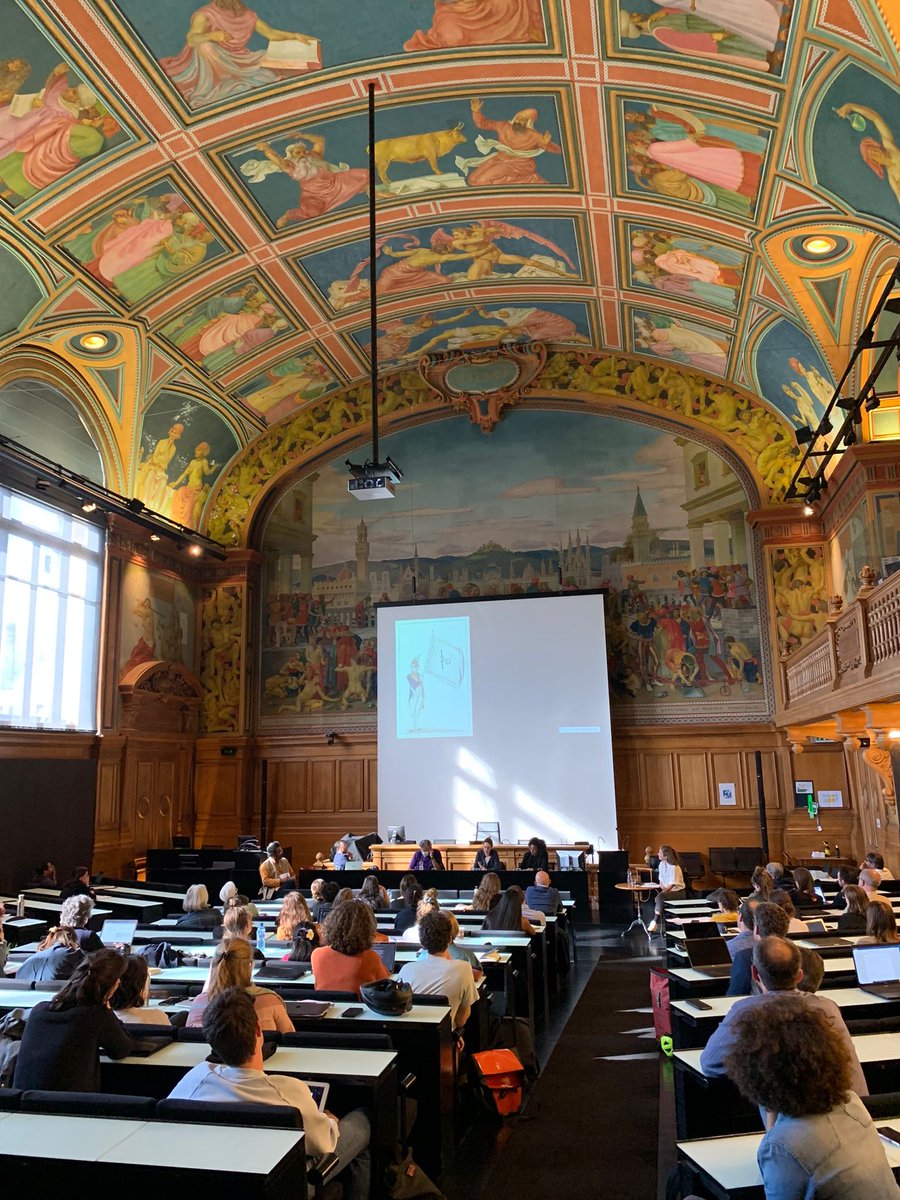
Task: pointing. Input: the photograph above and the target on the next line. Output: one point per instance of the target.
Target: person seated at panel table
(535, 857)
(346, 960)
(437, 974)
(870, 882)
(293, 910)
(769, 920)
(542, 897)
(875, 862)
(856, 907)
(727, 904)
(783, 900)
(60, 1048)
(487, 858)
(232, 1028)
(129, 1000)
(343, 855)
(805, 896)
(44, 876)
(197, 911)
(76, 912)
(426, 858)
(276, 874)
(671, 881)
(56, 957)
(79, 884)
(508, 915)
(881, 927)
(792, 1061)
(233, 967)
(778, 970)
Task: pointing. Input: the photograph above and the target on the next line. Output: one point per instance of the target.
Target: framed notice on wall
(830, 799)
(804, 792)
(727, 794)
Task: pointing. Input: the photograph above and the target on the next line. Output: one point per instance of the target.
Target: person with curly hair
(76, 912)
(791, 1060)
(347, 959)
(293, 911)
(777, 969)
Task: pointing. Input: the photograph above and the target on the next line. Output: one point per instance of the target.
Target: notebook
(117, 932)
(878, 970)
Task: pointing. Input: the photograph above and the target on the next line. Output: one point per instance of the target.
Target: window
(51, 573)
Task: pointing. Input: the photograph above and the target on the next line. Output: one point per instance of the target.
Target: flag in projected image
(445, 661)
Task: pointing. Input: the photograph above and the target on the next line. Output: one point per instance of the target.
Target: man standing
(542, 897)
(275, 872)
(231, 1027)
(439, 974)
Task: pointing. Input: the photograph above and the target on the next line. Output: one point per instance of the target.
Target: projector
(373, 481)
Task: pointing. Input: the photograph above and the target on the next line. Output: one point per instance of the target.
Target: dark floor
(577, 1135)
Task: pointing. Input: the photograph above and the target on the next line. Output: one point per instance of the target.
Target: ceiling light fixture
(89, 506)
(819, 244)
(154, 537)
(808, 510)
(93, 341)
(194, 550)
(872, 401)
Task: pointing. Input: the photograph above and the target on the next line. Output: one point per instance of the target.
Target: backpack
(160, 954)
(516, 1034)
(502, 1080)
(12, 1026)
(659, 997)
(405, 1179)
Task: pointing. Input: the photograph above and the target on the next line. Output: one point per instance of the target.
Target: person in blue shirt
(343, 855)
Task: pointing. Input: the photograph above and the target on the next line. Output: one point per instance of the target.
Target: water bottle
(260, 936)
(837, 850)
(20, 905)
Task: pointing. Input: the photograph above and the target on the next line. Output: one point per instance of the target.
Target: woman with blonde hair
(197, 911)
(671, 884)
(238, 923)
(487, 894)
(233, 967)
(56, 957)
(293, 911)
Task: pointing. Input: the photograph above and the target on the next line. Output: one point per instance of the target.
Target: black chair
(721, 860)
(885, 1105)
(691, 868)
(196, 1034)
(89, 1104)
(10, 1099)
(334, 996)
(429, 1000)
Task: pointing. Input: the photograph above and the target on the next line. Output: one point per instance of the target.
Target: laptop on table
(709, 955)
(117, 933)
(387, 952)
(878, 970)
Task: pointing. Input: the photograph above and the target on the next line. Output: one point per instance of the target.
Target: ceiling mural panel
(21, 292)
(676, 263)
(290, 383)
(674, 339)
(791, 373)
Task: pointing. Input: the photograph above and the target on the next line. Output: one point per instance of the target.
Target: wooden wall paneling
(694, 780)
(658, 779)
(627, 776)
(139, 798)
(165, 796)
(372, 787)
(350, 792)
(728, 768)
(322, 787)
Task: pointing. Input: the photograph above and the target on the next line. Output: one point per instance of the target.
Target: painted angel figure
(882, 157)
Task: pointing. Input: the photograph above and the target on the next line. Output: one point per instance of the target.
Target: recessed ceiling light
(154, 537)
(94, 341)
(195, 550)
(819, 244)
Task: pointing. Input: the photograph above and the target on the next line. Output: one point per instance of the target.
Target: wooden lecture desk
(709, 1106)
(726, 1166)
(692, 1027)
(43, 1155)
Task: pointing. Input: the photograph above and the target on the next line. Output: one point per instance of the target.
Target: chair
(428, 999)
(196, 1034)
(10, 1099)
(747, 859)
(885, 1105)
(448, 893)
(721, 860)
(691, 867)
(89, 1104)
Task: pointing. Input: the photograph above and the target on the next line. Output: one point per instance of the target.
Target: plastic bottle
(837, 850)
(260, 935)
(20, 905)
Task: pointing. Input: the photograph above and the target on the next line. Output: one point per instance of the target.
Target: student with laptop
(878, 969)
(778, 971)
(769, 920)
(231, 1027)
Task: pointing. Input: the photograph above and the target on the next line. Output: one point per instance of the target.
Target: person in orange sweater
(347, 959)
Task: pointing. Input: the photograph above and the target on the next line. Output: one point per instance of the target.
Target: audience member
(461, 953)
(782, 880)
(237, 923)
(671, 882)
(487, 858)
(812, 966)
(233, 967)
(845, 875)
(542, 897)
(56, 957)
(226, 892)
(374, 894)
(438, 974)
(276, 873)
(315, 890)
(346, 960)
(805, 896)
(487, 894)
(881, 926)
(791, 1059)
(197, 911)
(428, 903)
(426, 858)
(783, 900)
(79, 884)
(406, 881)
(537, 918)
(344, 894)
(769, 920)
(727, 903)
(761, 882)
(76, 912)
(44, 876)
(870, 882)
(293, 910)
(329, 893)
(778, 971)
(743, 939)
(875, 861)
(342, 856)
(410, 895)
(232, 1028)
(129, 1000)
(856, 905)
(507, 914)
(305, 939)
(535, 857)
(60, 1048)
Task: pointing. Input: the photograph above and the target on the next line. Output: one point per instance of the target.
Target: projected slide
(434, 678)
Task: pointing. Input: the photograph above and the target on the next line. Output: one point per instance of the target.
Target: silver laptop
(117, 933)
(878, 970)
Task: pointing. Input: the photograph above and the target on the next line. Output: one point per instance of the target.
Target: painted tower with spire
(362, 561)
(641, 535)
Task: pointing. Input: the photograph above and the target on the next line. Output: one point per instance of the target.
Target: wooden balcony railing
(854, 660)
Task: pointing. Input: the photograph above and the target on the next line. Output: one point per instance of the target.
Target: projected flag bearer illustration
(434, 678)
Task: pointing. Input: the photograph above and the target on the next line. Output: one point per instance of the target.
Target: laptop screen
(319, 1093)
(877, 964)
(387, 952)
(121, 932)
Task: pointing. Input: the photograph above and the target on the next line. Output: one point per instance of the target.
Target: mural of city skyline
(548, 501)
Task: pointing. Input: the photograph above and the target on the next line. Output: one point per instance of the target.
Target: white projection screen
(496, 710)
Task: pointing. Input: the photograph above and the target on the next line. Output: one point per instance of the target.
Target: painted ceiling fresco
(633, 177)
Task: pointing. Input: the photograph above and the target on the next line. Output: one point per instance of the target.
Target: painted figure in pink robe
(518, 145)
(480, 23)
(216, 64)
(323, 185)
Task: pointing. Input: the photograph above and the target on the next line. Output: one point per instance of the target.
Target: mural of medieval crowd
(548, 501)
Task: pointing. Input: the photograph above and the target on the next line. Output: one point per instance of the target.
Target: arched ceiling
(623, 175)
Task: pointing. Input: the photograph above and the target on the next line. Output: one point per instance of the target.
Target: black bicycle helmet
(387, 996)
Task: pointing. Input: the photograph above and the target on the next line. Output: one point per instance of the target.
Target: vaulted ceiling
(602, 175)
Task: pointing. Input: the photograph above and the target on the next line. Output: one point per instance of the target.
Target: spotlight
(42, 485)
(850, 437)
(89, 506)
(804, 435)
(135, 505)
(194, 550)
(825, 426)
(808, 510)
(872, 401)
(154, 537)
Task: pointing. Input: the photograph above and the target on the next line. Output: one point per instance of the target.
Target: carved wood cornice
(786, 524)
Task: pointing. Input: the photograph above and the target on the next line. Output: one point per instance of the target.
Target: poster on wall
(830, 799)
(727, 794)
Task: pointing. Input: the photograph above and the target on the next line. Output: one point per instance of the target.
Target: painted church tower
(640, 531)
(362, 561)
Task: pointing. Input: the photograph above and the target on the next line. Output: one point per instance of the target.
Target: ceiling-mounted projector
(373, 481)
